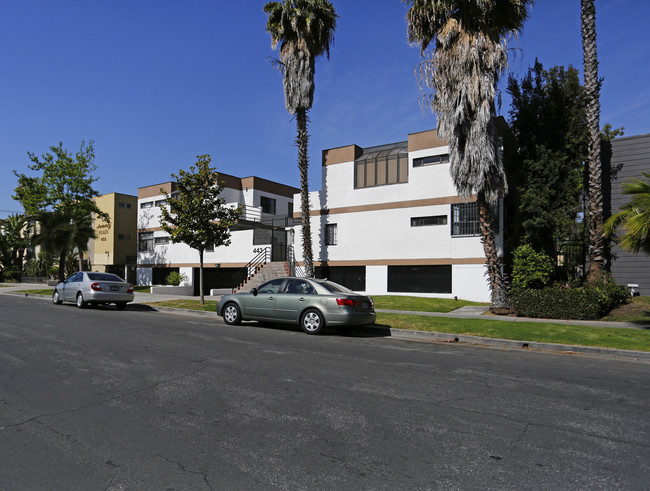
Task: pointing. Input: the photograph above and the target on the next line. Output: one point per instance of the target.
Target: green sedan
(311, 303)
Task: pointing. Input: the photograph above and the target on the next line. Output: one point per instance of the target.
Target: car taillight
(96, 287)
(348, 301)
(130, 290)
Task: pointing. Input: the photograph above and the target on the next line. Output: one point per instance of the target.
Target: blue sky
(155, 83)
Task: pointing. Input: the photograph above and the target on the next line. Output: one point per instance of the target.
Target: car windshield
(103, 277)
(332, 287)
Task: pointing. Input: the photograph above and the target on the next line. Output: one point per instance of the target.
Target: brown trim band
(405, 262)
(446, 200)
(190, 265)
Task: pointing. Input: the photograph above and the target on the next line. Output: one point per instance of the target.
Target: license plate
(115, 288)
(365, 305)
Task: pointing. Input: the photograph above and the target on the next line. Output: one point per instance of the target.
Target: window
(161, 202)
(145, 242)
(121, 204)
(161, 240)
(124, 236)
(464, 220)
(146, 204)
(434, 159)
(426, 221)
(381, 171)
(290, 209)
(267, 205)
(209, 248)
(272, 286)
(330, 234)
(299, 287)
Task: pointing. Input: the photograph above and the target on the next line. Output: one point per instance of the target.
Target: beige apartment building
(114, 249)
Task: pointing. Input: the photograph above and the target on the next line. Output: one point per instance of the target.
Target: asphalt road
(101, 399)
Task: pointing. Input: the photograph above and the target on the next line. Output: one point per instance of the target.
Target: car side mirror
(254, 291)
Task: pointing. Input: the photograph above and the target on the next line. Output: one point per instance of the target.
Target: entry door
(279, 245)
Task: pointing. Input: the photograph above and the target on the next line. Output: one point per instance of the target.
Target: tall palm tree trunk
(499, 299)
(62, 257)
(302, 141)
(597, 241)
(201, 297)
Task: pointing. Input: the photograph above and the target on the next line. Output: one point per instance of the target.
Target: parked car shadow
(371, 331)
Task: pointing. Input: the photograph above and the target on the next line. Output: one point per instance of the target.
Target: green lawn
(42, 291)
(210, 305)
(637, 310)
(604, 337)
(420, 304)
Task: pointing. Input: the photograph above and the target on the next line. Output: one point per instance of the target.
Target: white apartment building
(267, 212)
(388, 221)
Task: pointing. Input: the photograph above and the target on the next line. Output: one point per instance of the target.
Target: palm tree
(597, 240)
(55, 235)
(82, 233)
(14, 242)
(463, 68)
(634, 217)
(304, 29)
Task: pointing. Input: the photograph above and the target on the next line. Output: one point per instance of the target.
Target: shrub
(559, 302)
(11, 276)
(531, 269)
(175, 278)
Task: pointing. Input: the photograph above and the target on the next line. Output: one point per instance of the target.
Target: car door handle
(302, 299)
(271, 298)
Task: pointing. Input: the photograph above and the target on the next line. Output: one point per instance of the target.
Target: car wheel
(312, 322)
(80, 301)
(55, 298)
(231, 314)
(120, 305)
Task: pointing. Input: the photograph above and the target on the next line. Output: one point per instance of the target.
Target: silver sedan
(86, 287)
(311, 303)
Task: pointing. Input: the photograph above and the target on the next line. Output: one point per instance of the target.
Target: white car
(87, 287)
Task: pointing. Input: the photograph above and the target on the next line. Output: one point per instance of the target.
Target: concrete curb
(565, 349)
(440, 337)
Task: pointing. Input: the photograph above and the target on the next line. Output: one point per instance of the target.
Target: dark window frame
(267, 203)
(431, 160)
(331, 234)
(429, 221)
(145, 242)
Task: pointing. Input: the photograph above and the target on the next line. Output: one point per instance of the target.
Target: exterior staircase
(264, 273)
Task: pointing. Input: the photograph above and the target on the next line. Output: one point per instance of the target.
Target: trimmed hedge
(587, 303)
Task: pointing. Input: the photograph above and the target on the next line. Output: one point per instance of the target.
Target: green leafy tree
(468, 56)
(195, 213)
(597, 240)
(304, 29)
(547, 118)
(634, 217)
(63, 186)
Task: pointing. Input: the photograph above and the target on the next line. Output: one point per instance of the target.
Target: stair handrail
(251, 268)
(294, 269)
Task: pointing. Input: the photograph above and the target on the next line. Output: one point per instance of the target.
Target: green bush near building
(560, 302)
